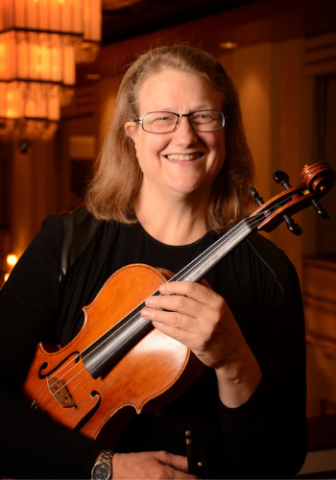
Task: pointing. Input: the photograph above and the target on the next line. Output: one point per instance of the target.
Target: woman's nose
(184, 133)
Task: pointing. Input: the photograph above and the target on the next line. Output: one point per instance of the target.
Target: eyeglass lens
(165, 122)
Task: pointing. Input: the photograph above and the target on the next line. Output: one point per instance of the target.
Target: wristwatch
(102, 469)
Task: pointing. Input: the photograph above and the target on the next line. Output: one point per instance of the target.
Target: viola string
(39, 393)
(56, 372)
(48, 389)
(69, 391)
(64, 385)
(229, 237)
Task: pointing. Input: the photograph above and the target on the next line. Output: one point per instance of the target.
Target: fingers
(192, 290)
(176, 461)
(153, 465)
(181, 303)
(186, 320)
(174, 310)
(175, 465)
(181, 327)
(196, 296)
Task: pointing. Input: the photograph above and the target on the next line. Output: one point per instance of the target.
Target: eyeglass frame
(179, 115)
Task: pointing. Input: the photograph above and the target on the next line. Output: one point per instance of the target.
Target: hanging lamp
(40, 42)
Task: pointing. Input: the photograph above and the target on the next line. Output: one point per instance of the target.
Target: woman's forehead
(169, 87)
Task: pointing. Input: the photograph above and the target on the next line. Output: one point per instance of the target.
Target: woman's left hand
(199, 318)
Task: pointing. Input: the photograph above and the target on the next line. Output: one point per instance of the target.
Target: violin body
(155, 371)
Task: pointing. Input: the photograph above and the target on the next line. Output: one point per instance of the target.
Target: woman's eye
(164, 119)
(202, 117)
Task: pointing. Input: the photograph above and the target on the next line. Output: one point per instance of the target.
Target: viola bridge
(60, 392)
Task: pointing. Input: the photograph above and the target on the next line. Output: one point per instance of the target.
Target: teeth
(191, 156)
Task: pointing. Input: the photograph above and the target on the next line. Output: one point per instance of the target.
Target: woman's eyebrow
(203, 106)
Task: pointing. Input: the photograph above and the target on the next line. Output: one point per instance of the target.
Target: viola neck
(121, 337)
(201, 265)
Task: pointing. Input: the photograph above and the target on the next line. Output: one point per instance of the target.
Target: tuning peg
(282, 178)
(292, 226)
(256, 197)
(320, 210)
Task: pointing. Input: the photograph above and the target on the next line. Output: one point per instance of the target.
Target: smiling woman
(173, 173)
(181, 164)
(193, 68)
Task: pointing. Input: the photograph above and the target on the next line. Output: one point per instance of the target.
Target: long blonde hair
(117, 177)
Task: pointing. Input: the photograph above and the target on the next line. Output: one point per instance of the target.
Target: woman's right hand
(155, 465)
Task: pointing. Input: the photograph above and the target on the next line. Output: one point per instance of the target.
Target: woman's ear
(131, 130)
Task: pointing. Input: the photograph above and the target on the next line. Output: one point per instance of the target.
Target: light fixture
(40, 42)
(12, 259)
(11, 262)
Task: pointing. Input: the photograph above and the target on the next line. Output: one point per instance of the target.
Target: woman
(173, 174)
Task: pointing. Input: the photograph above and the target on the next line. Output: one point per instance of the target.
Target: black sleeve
(267, 436)
(32, 446)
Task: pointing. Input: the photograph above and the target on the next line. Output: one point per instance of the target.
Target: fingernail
(145, 313)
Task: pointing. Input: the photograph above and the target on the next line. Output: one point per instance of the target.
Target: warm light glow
(6, 276)
(12, 259)
(228, 45)
(92, 76)
(40, 42)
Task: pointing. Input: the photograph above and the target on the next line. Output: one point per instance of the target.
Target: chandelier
(40, 43)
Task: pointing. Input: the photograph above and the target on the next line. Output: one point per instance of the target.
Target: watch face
(101, 472)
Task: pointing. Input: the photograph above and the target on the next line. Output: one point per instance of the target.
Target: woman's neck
(172, 220)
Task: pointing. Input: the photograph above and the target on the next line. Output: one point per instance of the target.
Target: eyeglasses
(167, 122)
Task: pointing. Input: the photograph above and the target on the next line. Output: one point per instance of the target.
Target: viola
(118, 360)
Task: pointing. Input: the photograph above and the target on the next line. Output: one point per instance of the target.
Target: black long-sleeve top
(263, 438)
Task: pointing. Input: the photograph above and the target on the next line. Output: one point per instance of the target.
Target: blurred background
(61, 62)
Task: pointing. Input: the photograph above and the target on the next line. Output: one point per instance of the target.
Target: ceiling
(131, 26)
(130, 18)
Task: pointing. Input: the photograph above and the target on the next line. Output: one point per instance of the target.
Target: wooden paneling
(319, 288)
(320, 55)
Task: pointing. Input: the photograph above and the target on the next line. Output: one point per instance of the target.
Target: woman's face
(184, 161)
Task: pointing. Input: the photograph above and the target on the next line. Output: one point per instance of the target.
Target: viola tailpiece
(118, 360)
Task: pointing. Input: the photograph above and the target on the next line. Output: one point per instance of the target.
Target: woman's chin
(189, 189)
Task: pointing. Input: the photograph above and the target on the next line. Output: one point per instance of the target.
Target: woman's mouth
(184, 158)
